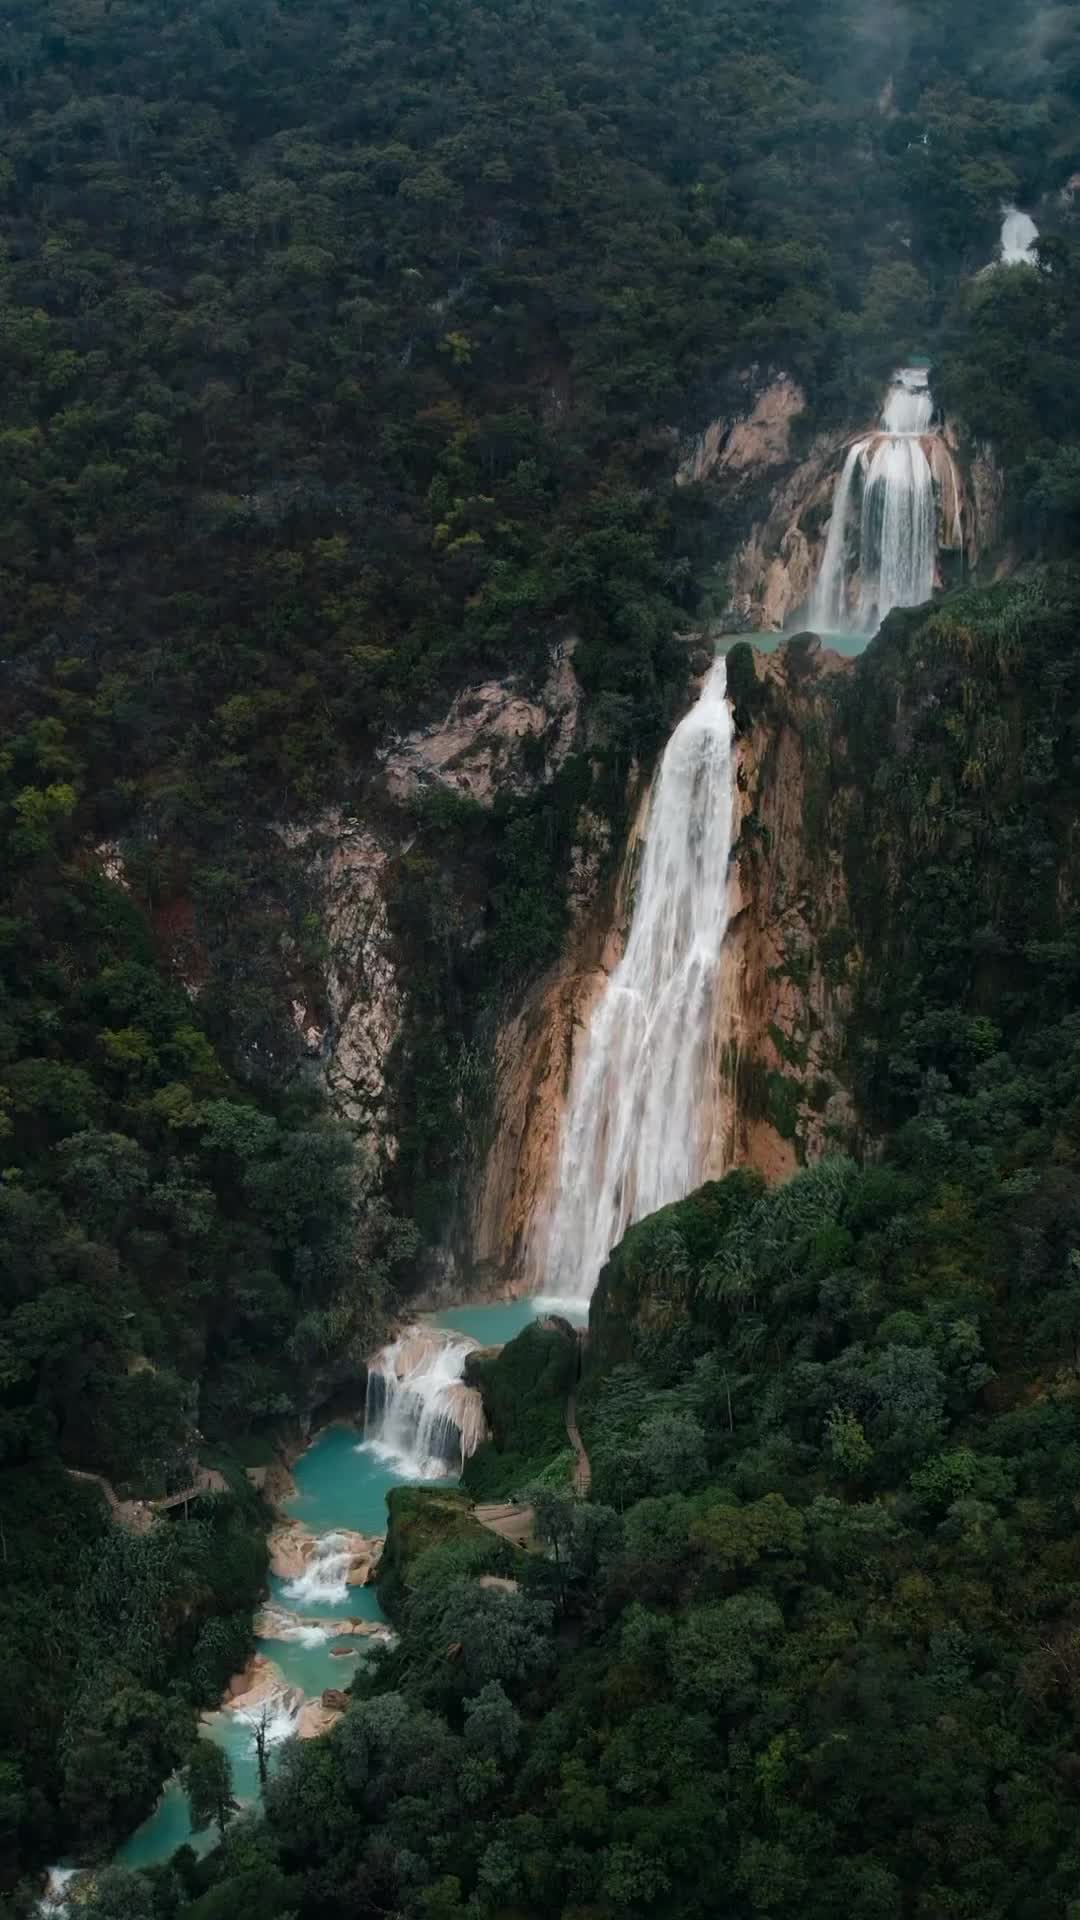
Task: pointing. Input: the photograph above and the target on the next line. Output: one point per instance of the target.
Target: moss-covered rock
(524, 1388)
(420, 1519)
(650, 1283)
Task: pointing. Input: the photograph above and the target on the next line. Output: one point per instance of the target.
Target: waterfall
(641, 1114)
(897, 518)
(55, 1902)
(827, 612)
(419, 1414)
(1018, 236)
(324, 1581)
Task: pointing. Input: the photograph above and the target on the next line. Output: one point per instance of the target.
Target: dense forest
(347, 357)
(812, 1641)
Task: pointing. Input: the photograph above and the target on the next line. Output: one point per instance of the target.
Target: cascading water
(419, 1416)
(897, 518)
(324, 1581)
(1018, 236)
(275, 1718)
(640, 1120)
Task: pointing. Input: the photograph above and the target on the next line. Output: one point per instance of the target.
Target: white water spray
(324, 1581)
(55, 1902)
(641, 1117)
(420, 1416)
(1018, 236)
(897, 518)
(274, 1718)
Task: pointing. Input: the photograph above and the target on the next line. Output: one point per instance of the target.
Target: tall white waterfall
(639, 1121)
(888, 482)
(420, 1416)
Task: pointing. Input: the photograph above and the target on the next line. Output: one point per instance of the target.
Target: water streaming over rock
(1018, 236)
(275, 1718)
(642, 1113)
(419, 1414)
(56, 1901)
(886, 490)
(324, 1581)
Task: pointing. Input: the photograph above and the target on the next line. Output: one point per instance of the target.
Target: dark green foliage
(524, 1388)
(647, 1288)
(423, 1523)
(208, 1785)
(817, 1628)
(1011, 370)
(113, 1641)
(344, 360)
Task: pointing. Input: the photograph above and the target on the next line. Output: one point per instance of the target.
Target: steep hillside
(350, 364)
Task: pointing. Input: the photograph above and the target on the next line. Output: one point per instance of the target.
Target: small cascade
(643, 1115)
(420, 1416)
(887, 492)
(1018, 237)
(276, 1623)
(274, 1718)
(324, 1581)
(56, 1901)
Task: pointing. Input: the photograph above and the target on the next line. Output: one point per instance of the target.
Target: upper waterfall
(909, 406)
(1018, 236)
(886, 488)
(641, 1114)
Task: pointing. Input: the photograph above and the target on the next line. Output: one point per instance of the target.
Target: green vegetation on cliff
(811, 1644)
(431, 1537)
(524, 1388)
(345, 362)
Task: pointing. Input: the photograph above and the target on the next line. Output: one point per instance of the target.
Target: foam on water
(324, 1581)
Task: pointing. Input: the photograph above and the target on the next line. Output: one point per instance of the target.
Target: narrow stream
(339, 1483)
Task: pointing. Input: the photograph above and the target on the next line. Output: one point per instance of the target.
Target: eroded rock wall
(348, 1006)
(495, 738)
(792, 961)
(349, 1017)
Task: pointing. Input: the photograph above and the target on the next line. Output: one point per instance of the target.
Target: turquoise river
(339, 1483)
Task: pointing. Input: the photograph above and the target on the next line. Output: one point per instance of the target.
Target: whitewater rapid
(641, 1116)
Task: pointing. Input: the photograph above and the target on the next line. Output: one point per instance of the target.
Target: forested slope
(811, 1644)
(344, 358)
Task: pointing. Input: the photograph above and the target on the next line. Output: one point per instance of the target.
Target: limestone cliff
(349, 1022)
(791, 958)
(495, 738)
(348, 1006)
(754, 437)
(779, 498)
